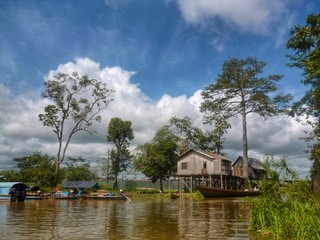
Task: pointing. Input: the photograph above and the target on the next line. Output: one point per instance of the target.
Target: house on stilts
(197, 167)
(255, 169)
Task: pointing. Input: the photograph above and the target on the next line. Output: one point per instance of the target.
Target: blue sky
(163, 52)
(170, 52)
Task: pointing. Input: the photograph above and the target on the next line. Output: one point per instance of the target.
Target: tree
(157, 159)
(240, 90)
(120, 133)
(305, 43)
(78, 169)
(189, 136)
(37, 168)
(216, 135)
(279, 170)
(76, 103)
(194, 138)
(9, 176)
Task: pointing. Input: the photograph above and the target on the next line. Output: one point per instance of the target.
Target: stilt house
(203, 168)
(255, 168)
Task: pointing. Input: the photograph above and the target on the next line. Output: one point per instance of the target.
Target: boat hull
(95, 197)
(65, 197)
(210, 192)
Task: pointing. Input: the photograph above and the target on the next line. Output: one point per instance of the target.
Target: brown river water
(136, 219)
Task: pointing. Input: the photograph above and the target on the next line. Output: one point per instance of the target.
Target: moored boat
(210, 192)
(104, 197)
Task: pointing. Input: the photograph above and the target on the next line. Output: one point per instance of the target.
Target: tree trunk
(245, 146)
(115, 184)
(161, 185)
(315, 182)
(55, 183)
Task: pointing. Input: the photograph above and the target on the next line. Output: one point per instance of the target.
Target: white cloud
(21, 133)
(255, 16)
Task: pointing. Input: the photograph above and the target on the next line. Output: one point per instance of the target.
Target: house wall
(237, 168)
(195, 162)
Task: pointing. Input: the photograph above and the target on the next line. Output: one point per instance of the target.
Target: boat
(35, 197)
(210, 192)
(174, 196)
(104, 197)
(65, 197)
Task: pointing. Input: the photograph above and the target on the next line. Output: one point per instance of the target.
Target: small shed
(197, 167)
(13, 191)
(255, 168)
(79, 184)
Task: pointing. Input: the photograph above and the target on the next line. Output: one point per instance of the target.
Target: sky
(158, 55)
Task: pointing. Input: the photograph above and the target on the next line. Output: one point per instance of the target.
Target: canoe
(103, 197)
(65, 197)
(210, 192)
(34, 197)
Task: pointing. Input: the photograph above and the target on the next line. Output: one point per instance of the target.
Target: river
(136, 219)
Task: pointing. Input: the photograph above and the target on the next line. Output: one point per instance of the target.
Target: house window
(204, 164)
(184, 165)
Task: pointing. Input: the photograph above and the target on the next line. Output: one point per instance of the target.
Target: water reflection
(138, 219)
(214, 219)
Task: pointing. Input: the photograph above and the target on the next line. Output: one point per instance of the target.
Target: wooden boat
(65, 197)
(174, 196)
(210, 192)
(104, 197)
(34, 197)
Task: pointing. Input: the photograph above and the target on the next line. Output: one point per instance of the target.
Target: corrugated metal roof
(255, 163)
(79, 184)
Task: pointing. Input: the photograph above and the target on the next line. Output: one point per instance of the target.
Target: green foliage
(78, 169)
(76, 103)
(289, 212)
(305, 42)
(194, 138)
(197, 196)
(9, 176)
(279, 170)
(37, 168)
(157, 159)
(120, 133)
(240, 90)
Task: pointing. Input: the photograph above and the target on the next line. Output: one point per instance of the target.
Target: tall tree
(76, 103)
(120, 133)
(305, 43)
(37, 168)
(241, 90)
(158, 159)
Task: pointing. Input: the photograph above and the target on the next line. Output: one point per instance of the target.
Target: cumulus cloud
(250, 15)
(266, 18)
(21, 133)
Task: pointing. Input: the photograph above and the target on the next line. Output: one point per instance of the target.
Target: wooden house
(203, 168)
(255, 168)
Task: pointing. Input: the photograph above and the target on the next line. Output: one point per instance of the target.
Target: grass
(286, 213)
